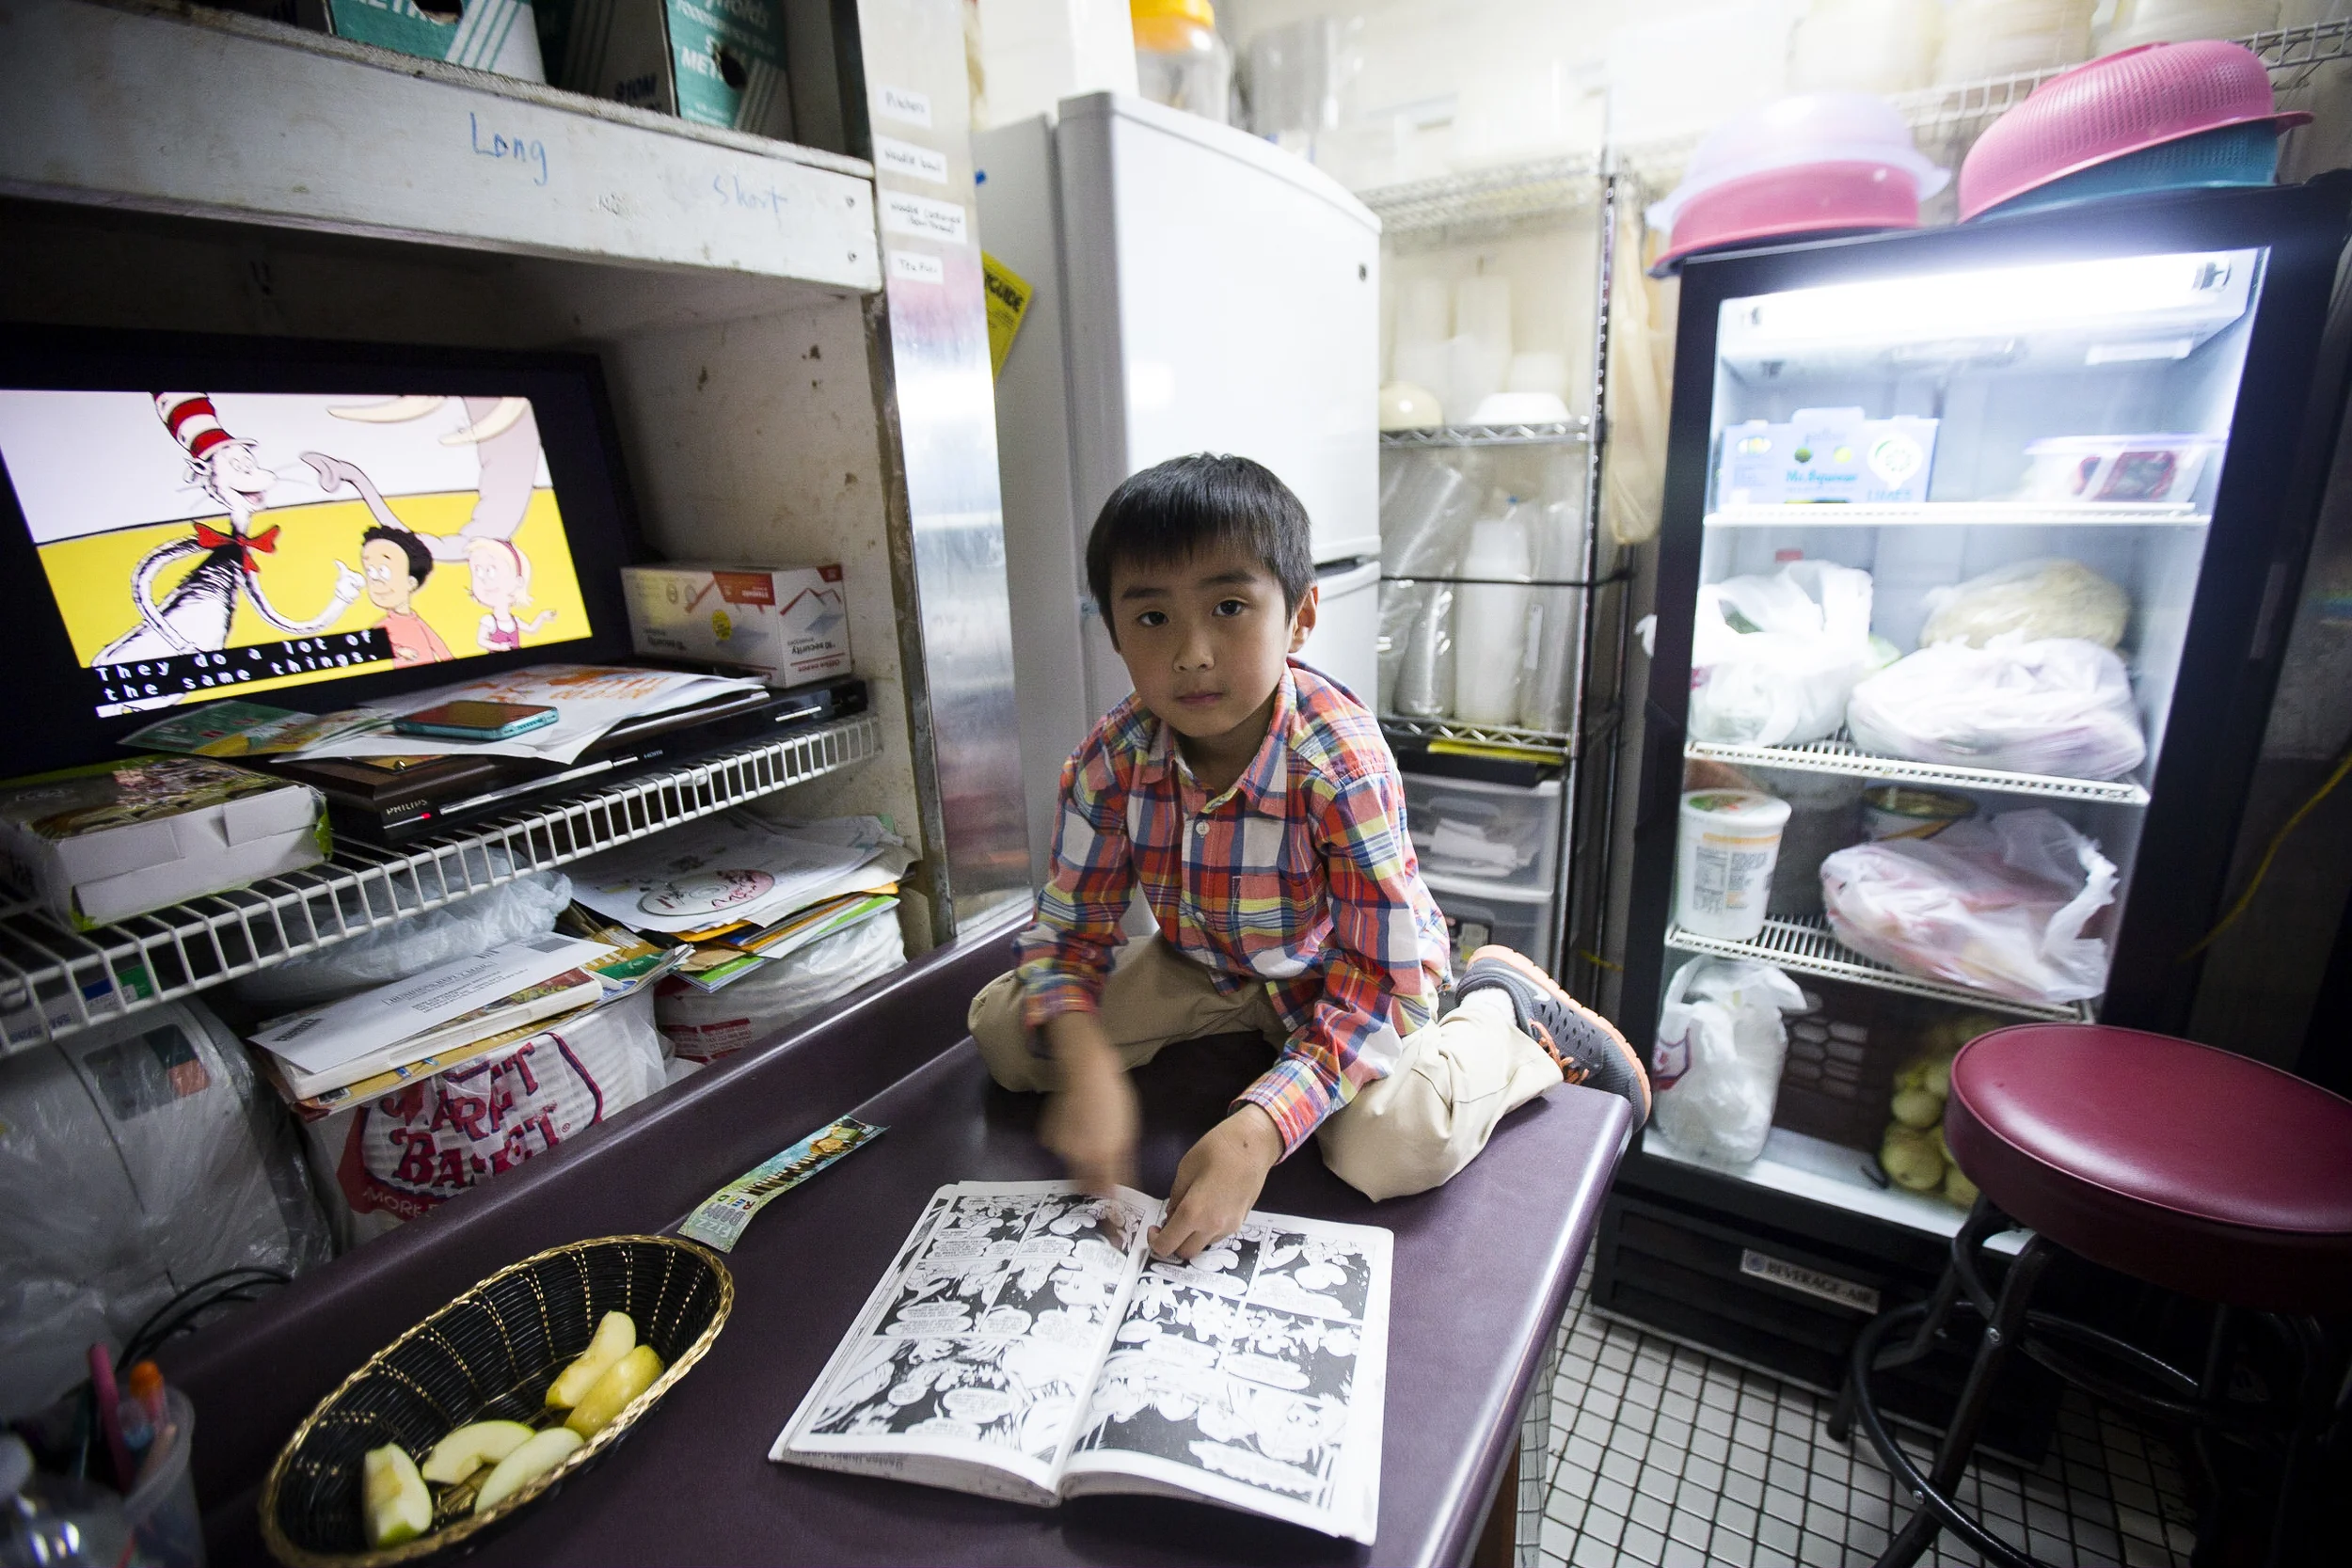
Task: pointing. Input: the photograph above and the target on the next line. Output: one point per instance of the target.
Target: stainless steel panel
(935, 395)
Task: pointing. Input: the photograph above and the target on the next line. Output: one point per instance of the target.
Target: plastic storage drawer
(1479, 912)
(1496, 834)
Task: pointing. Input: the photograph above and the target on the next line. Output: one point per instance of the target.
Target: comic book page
(975, 1360)
(1253, 1376)
(207, 543)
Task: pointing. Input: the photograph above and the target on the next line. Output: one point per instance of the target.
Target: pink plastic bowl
(2123, 103)
(1799, 199)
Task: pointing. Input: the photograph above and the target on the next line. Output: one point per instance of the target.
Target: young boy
(1258, 807)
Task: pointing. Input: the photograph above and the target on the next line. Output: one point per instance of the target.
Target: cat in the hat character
(501, 583)
(195, 616)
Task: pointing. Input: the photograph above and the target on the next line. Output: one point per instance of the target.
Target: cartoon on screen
(197, 541)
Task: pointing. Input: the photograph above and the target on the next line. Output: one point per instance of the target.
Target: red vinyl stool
(2176, 1164)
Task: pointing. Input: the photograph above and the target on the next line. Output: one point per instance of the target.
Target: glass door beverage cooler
(1978, 547)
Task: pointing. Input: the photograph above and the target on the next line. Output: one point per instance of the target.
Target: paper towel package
(789, 621)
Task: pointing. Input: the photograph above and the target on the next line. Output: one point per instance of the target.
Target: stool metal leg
(1933, 1492)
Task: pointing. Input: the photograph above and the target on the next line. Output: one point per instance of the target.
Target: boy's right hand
(1092, 1120)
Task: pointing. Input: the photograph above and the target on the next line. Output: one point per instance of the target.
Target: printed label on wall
(903, 104)
(923, 217)
(916, 162)
(1812, 1282)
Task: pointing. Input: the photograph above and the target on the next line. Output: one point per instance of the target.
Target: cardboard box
(1826, 454)
(103, 842)
(789, 621)
(487, 35)
(715, 62)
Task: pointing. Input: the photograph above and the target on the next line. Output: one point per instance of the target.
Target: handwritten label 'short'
(528, 151)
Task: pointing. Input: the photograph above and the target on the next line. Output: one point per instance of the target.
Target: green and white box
(487, 35)
(715, 62)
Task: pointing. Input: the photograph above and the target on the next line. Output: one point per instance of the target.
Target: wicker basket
(490, 1354)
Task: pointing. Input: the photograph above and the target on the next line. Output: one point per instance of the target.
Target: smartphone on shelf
(469, 720)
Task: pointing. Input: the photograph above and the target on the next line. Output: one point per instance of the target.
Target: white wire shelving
(1806, 947)
(1447, 437)
(1423, 731)
(1953, 114)
(1840, 755)
(1479, 205)
(1952, 514)
(55, 982)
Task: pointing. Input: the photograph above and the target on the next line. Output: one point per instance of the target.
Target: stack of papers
(590, 700)
(748, 889)
(370, 1043)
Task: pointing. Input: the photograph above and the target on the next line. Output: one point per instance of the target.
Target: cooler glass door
(1965, 544)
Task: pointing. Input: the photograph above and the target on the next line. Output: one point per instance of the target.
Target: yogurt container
(1723, 858)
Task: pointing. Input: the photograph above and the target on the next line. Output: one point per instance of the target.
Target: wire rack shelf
(1423, 731)
(1806, 947)
(1924, 514)
(1564, 433)
(1840, 755)
(1484, 204)
(55, 982)
(1961, 109)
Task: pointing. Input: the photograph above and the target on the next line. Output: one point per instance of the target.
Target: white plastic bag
(2000, 906)
(508, 912)
(404, 1154)
(1716, 1067)
(2032, 599)
(136, 1158)
(1788, 677)
(702, 1026)
(2061, 707)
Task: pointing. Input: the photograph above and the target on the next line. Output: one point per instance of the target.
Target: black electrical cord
(180, 1313)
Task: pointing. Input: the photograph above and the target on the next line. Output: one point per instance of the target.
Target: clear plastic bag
(509, 913)
(136, 1159)
(701, 1025)
(2032, 599)
(1773, 658)
(2061, 707)
(406, 1153)
(1716, 1067)
(2000, 906)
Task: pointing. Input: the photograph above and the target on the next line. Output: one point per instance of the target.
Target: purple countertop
(1484, 1267)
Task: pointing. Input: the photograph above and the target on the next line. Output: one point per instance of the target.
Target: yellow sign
(1008, 302)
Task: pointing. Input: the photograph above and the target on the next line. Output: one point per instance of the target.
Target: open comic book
(1025, 1344)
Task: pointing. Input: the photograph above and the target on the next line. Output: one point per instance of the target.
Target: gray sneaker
(1587, 1046)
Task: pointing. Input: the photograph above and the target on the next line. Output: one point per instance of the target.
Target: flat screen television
(304, 524)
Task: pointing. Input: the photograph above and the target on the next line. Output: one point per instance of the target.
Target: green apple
(628, 1377)
(544, 1452)
(469, 1448)
(393, 1497)
(614, 1337)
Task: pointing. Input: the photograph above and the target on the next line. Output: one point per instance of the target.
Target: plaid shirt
(1299, 878)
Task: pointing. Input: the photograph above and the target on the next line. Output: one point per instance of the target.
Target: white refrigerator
(1196, 290)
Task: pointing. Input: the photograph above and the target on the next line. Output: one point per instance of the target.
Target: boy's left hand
(1216, 1181)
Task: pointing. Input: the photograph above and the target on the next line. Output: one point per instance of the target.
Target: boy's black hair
(1174, 510)
(419, 559)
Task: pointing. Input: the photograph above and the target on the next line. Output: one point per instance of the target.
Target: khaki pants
(1406, 1133)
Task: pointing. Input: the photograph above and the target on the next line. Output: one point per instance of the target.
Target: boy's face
(1204, 638)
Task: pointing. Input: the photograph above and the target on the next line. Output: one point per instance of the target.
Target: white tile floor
(1665, 1456)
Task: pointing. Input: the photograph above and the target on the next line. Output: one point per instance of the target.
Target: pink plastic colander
(1820, 200)
(2123, 103)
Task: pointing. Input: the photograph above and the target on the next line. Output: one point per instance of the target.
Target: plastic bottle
(1491, 620)
(1180, 60)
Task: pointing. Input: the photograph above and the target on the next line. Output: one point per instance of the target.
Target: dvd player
(391, 801)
